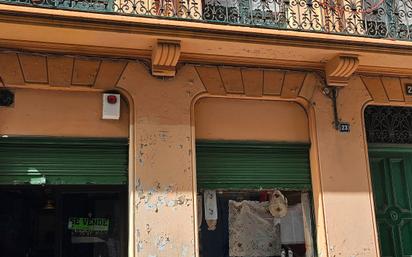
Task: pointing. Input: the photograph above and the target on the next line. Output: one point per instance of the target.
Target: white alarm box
(111, 106)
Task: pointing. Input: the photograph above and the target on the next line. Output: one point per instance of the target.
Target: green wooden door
(391, 170)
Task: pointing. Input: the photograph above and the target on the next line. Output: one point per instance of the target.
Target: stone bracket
(165, 56)
(340, 68)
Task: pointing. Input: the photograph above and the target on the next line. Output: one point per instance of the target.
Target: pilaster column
(164, 190)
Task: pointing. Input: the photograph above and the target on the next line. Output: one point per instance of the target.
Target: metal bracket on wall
(332, 93)
(338, 71)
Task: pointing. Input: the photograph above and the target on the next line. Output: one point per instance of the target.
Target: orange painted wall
(235, 119)
(59, 113)
(162, 179)
(344, 178)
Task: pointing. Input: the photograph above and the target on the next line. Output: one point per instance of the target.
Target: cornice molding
(133, 55)
(292, 50)
(201, 30)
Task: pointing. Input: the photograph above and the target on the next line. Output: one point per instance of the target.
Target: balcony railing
(371, 18)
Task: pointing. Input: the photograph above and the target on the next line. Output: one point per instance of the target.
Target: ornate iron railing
(388, 124)
(371, 18)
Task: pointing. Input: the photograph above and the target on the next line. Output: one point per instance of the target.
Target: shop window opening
(255, 223)
(254, 199)
(63, 197)
(57, 222)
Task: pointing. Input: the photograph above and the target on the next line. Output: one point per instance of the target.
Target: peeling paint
(181, 200)
(171, 203)
(162, 242)
(169, 188)
(151, 206)
(139, 246)
(161, 200)
(184, 251)
(155, 198)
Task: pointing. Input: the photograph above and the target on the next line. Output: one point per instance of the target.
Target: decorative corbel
(165, 56)
(340, 68)
(338, 72)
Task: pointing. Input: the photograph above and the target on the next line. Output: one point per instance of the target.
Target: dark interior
(34, 221)
(216, 243)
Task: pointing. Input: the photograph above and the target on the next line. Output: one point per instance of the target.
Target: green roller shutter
(63, 161)
(240, 165)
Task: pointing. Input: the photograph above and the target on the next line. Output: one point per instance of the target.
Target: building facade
(232, 98)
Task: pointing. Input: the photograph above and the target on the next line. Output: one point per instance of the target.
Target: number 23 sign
(408, 89)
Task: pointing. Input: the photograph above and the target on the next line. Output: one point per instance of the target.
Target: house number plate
(344, 127)
(408, 89)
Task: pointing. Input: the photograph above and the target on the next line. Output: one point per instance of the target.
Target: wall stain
(163, 135)
(145, 151)
(140, 154)
(148, 229)
(139, 246)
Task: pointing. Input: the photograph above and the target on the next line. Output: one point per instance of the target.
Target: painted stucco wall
(165, 169)
(163, 161)
(344, 173)
(61, 113)
(236, 119)
(162, 178)
(165, 176)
